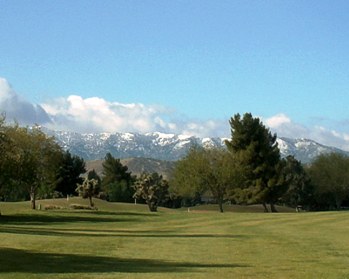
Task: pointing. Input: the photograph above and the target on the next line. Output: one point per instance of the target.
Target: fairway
(127, 241)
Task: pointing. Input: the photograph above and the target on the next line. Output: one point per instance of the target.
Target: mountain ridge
(168, 147)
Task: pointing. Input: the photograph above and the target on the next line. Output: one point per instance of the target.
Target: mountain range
(167, 147)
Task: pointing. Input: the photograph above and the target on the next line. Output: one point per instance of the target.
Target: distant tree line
(249, 170)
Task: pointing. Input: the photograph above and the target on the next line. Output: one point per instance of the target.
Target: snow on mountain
(168, 147)
(305, 150)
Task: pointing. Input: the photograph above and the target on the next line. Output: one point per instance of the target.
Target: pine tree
(300, 191)
(117, 180)
(256, 150)
(69, 174)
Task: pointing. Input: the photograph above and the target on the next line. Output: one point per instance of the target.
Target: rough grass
(126, 241)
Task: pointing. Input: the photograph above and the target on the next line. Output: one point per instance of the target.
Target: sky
(176, 66)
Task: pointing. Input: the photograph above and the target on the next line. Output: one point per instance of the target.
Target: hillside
(137, 166)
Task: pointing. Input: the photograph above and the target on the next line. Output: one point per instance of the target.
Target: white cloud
(19, 109)
(277, 120)
(6, 91)
(98, 115)
(95, 114)
(285, 127)
(208, 128)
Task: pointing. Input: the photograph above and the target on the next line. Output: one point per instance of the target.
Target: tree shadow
(40, 219)
(74, 232)
(122, 213)
(16, 260)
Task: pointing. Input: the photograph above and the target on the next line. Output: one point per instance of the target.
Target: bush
(52, 207)
(83, 207)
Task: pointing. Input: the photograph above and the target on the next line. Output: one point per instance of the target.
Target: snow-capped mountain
(168, 147)
(305, 150)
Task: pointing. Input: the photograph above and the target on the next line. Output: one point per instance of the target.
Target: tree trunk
(273, 208)
(152, 207)
(91, 202)
(32, 199)
(338, 202)
(265, 207)
(220, 203)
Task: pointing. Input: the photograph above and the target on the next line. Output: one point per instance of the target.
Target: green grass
(126, 241)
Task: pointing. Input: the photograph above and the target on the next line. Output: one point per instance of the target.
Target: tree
(329, 174)
(6, 157)
(186, 180)
(69, 173)
(92, 174)
(88, 189)
(257, 153)
(35, 159)
(300, 191)
(153, 189)
(117, 180)
(4, 151)
(10, 188)
(202, 170)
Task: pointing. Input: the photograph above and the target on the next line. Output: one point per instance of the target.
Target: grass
(126, 241)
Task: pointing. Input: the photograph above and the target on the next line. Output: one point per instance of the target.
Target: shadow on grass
(40, 219)
(15, 260)
(109, 233)
(123, 213)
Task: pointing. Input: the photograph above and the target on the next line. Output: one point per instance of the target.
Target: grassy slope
(126, 241)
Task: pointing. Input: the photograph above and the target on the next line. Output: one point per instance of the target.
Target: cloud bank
(18, 109)
(89, 115)
(95, 114)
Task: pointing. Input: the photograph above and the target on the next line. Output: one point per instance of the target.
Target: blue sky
(177, 66)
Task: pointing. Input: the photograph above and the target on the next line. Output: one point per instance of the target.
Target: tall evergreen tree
(117, 180)
(69, 174)
(300, 191)
(256, 150)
